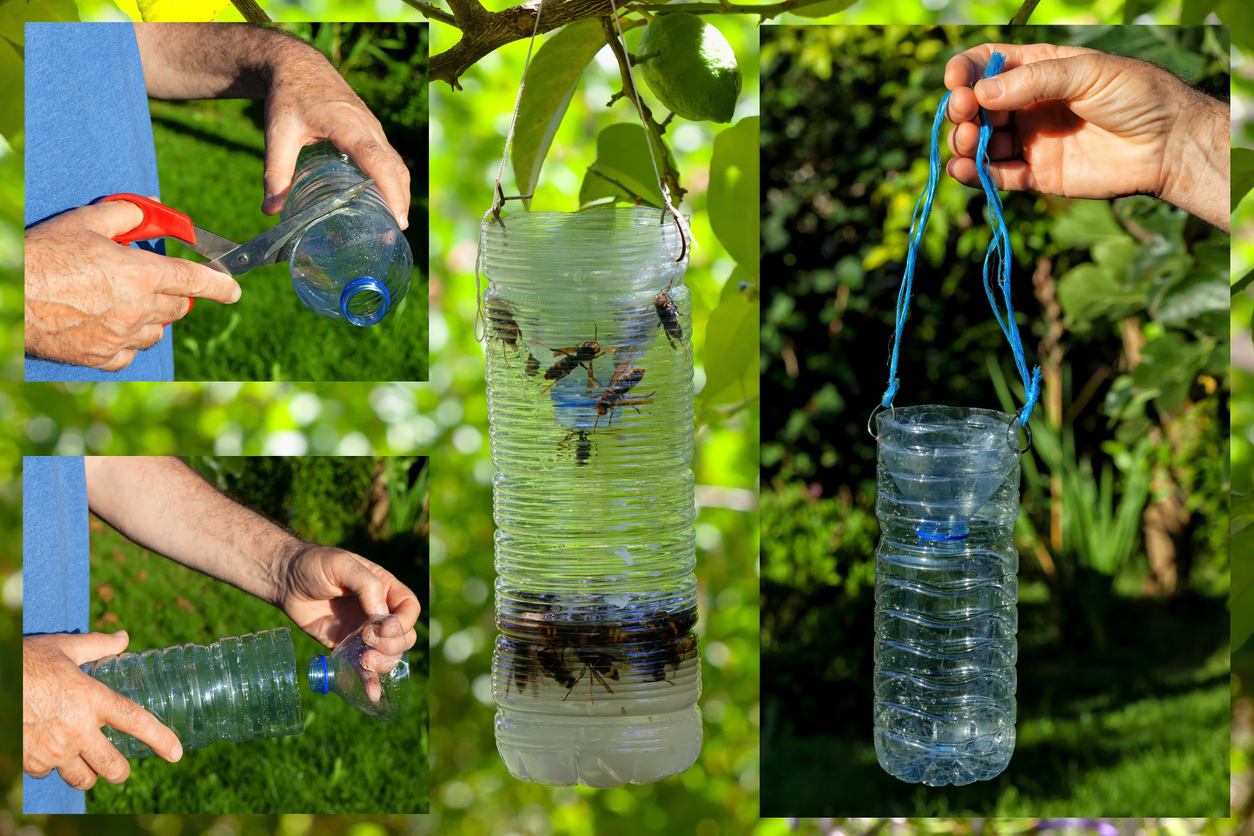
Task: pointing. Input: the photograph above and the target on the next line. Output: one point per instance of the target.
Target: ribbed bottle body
(354, 265)
(945, 603)
(590, 400)
(237, 688)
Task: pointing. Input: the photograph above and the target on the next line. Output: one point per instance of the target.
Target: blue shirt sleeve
(88, 134)
(55, 583)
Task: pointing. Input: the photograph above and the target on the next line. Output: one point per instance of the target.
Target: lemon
(694, 72)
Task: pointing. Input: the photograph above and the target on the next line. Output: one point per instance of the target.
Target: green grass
(345, 762)
(210, 158)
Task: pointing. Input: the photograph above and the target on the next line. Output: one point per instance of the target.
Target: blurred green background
(1123, 696)
(345, 761)
(210, 154)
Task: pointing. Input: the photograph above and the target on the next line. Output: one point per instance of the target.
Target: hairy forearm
(1200, 169)
(163, 505)
(213, 61)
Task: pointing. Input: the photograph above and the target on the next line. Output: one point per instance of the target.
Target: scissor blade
(269, 246)
(211, 246)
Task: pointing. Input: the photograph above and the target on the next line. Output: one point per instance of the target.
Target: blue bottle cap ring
(374, 309)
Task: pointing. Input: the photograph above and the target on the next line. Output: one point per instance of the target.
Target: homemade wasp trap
(947, 499)
(590, 403)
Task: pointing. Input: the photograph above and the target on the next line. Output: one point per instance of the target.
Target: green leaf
(57, 11)
(1170, 364)
(625, 169)
(1088, 292)
(12, 21)
(1196, 296)
(1242, 174)
(551, 82)
(828, 7)
(1194, 12)
(733, 197)
(1243, 282)
(731, 287)
(1085, 223)
(1241, 546)
(731, 351)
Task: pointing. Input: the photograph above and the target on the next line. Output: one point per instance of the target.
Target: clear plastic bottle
(945, 594)
(357, 673)
(355, 264)
(235, 689)
(590, 403)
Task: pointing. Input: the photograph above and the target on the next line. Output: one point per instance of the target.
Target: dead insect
(668, 317)
(531, 365)
(503, 327)
(617, 394)
(601, 666)
(552, 663)
(583, 445)
(581, 354)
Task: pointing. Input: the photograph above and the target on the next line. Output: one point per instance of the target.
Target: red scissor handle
(159, 220)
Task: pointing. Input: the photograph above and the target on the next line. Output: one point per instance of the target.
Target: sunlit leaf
(59, 11)
(828, 7)
(1242, 174)
(1241, 600)
(1194, 12)
(184, 10)
(731, 350)
(551, 82)
(733, 198)
(623, 168)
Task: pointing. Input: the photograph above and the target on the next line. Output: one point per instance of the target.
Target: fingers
(1060, 79)
(964, 141)
(130, 717)
(370, 681)
(105, 760)
(111, 218)
(88, 647)
(283, 146)
(404, 605)
(77, 773)
(380, 161)
(1006, 175)
(374, 660)
(187, 278)
(388, 637)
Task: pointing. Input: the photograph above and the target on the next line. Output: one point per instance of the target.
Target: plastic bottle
(355, 264)
(361, 676)
(237, 688)
(596, 673)
(945, 594)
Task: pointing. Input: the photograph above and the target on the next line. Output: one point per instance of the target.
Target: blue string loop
(997, 261)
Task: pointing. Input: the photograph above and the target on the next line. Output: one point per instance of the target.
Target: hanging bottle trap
(947, 497)
(596, 673)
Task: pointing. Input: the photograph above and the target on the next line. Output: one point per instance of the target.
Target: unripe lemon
(695, 72)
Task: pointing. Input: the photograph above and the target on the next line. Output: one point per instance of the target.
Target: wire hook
(1012, 433)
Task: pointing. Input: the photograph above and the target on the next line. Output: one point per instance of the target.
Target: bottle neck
(319, 678)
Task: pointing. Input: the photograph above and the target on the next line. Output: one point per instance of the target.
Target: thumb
(110, 218)
(1056, 79)
(88, 647)
(347, 572)
(282, 149)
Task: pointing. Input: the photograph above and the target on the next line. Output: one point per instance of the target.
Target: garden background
(1123, 697)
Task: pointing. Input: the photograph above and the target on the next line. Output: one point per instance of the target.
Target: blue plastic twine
(998, 255)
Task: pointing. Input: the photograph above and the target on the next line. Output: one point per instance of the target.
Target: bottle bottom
(598, 751)
(938, 765)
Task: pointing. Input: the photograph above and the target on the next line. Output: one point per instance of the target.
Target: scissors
(270, 247)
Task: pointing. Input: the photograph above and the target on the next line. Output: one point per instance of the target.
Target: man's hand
(1079, 123)
(94, 303)
(307, 102)
(329, 592)
(64, 708)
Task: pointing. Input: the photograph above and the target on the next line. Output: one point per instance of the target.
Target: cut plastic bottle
(945, 594)
(596, 674)
(236, 689)
(354, 265)
(372, 682)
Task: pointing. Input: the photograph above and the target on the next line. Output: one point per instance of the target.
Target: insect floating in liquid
(580, 355)
(583, 445)
(503, 327)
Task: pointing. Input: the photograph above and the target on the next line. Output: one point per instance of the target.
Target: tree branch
(251, 11)
(432, 13)
(484, 32)
(653, 131)
(1025, 12)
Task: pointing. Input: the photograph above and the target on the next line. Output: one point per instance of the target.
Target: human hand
(64, 708)
(94, 303)
(1079, 123)
(329, 592)
(307, 102)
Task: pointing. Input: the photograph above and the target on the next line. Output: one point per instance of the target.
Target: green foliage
(1242, 174)
(623, 170)
(812, 542)
(345, 761)
(1242, 601)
